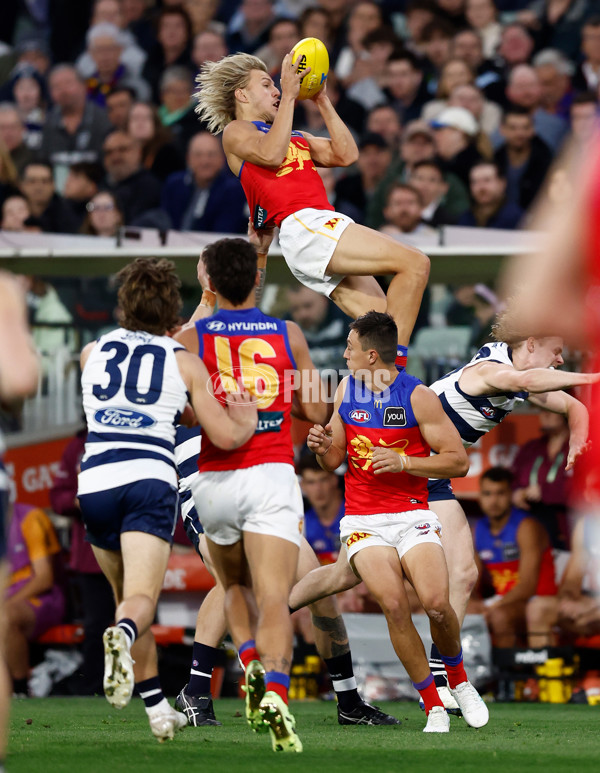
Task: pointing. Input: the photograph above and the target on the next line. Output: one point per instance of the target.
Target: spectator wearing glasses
(51, 211)
(104, 218)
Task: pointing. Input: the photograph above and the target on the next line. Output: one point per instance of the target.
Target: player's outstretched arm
(328, 442)
(340, 149)
(19, 364)
(495, 377)
(577, 417)
(229, 427)
(450, 459)
(309, 398)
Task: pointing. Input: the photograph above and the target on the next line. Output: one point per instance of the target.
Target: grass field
(86, 735)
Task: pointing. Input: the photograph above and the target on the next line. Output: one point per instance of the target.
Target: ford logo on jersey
(360, 415)
(123, 417)
(215, 325)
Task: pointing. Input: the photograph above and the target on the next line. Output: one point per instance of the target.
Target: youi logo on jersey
(123, 417)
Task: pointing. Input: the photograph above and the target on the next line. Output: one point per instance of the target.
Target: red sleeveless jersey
(385, 419)
(273, 194)
(248, 346)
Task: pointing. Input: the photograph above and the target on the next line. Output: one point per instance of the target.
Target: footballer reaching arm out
(328, 442)
(577, 417)
(494, 377)
(341, 149)
(450, 459)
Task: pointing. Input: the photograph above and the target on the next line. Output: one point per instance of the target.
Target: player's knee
(394, 608)
(437, 607)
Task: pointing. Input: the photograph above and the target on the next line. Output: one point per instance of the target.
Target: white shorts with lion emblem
(401, 531)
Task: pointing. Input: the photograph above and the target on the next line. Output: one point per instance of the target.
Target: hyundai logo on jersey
(394, 416)
(215, 325)
(359, 415)
(121, 417)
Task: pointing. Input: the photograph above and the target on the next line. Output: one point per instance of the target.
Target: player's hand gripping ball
(312, 53)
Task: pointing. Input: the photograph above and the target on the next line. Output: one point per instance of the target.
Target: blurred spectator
(455, 136)
(208, 46)
(136, 19)
(202, 15)
(96, 598)
(118, 104)
(205, 197)
(51, 321)
(427, 177)
(325, 327)
(455, 72)
(583, 117)
(83, 182)
(556, 24)
(34, 598)
(353, 61)
(487, 114)
(8, 174)
(104, 218)
(308, 116)
(402, 212)
(554, 72)
(514, 551)
(524, 89)
(136, 189)
(379, 46)
(541, 485)
(353, 191)
(30, 97)
(315, 22)
(488, 192)
(482, 15)
(52, 212)
(587, 75)
(579, 592)
(327, 506)
(75, 128)
(172, 48)
(417, 15)
(33, 49)
(452, 11)
(437, 45)
(406, 90)
(15, 213)
(283, 36)
(132, 55)
(177, 105)
(523, 159)
(516, 46)
(105, 47)
(159, 154)
(12, 134)
(467, 45)
(384, 120)
(248, 28)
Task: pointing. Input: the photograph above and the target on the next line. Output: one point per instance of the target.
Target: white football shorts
(307, 240)
(264, 499)
(401, 531)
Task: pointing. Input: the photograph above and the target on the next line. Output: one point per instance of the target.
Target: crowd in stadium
(460, 109)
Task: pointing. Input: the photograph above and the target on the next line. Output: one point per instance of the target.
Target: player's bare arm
(577, 417)
(310, 404)
(450, 459)
(228, 427)
(532, 540)
(339, 149)
(328, 442)
(493, 377)
(18, 358)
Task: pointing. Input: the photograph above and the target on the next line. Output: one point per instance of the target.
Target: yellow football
(312, 53)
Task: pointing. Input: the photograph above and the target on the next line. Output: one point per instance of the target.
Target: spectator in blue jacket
(206, 197)
(488, 194)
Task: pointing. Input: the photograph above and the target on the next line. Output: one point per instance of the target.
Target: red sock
(280, 689)
(428, 691)
(456, 674)
(247, 653)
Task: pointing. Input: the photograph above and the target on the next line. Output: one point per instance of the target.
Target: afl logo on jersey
(360, 416)
(394, 416)
(215, 325)
(123, 417)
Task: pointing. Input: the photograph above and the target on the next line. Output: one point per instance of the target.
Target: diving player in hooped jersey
(386, 422)
(324, 249)
(135, 383)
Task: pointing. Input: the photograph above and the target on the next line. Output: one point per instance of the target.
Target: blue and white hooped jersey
(133, 395)
(187, 449)
(474, 416)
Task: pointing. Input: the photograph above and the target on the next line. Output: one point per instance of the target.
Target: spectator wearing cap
(417, 144)
(132, 56)
(488, 193)
(455, 135)
(136, 189)
(427, 177)
(587, 75)
(523, 158)
(32, 49)
(29, 94)
(353, 191)
(172, 49)
(206, 197)
(75, 128)
(105, 46)
(12, 134)
(554, 72)
(177, 104)
(406, 90)
(524, 89)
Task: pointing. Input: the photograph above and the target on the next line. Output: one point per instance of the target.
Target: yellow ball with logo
(312, 53)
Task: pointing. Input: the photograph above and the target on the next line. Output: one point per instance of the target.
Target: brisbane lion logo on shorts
(356, 536)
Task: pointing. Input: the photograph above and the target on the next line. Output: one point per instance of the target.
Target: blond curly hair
(217, 84)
